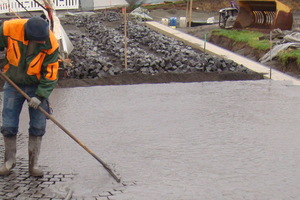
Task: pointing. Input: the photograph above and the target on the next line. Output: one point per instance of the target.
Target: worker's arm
(3, 39)
(49, 75)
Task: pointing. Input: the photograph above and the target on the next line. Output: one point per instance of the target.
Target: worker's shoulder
(15, 21)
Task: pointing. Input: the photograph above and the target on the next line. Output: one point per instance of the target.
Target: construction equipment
(227, 17)
(264, 14)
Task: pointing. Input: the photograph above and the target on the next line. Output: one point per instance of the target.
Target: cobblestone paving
(19, 185)
(106, 195)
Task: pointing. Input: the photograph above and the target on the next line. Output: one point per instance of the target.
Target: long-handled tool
(63, 128)
(24, 7)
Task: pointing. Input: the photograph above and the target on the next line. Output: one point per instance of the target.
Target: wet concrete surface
(209, 140)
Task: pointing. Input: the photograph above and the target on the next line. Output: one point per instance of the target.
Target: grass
(252, 39)
(166, 4)
(245, 36)
(288, 55)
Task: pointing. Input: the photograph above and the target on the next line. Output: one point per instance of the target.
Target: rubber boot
(10, 144)
(34, 146)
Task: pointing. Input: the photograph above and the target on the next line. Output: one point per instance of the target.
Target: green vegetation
(289, 55)
(252, 39)
(245, 36)
(166, 4)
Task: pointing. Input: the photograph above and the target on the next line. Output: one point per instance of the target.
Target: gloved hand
(34, 102)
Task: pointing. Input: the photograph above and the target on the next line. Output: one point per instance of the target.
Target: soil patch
(237, 47)
(138, 78)
(291, 67)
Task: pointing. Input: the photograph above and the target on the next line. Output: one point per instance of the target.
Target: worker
(31, 62)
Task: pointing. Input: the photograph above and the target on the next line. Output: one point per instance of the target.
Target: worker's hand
(34, 102)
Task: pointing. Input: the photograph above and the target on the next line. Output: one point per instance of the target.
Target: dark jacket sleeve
(3, 39)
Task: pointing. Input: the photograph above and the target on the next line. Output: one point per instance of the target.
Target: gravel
(99, 50)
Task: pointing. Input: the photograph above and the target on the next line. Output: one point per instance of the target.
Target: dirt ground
(129, 79)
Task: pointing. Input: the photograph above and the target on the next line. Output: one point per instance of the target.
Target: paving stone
(33, 184)
(44, 179)
(112, 198)
(60, 176)
(22, 189)
(22, 176)
(68, 176)
(20, 184)
(122, 188)
(37, 195)
(12, 194)
(22, 197)
(27, 182)
(102, 198)
(127, 183)
(55, 179)
(105, 194)
(89, 198)
(79, 198)
(114, 192)
(49, 194)
(44, 185)
(8, 190)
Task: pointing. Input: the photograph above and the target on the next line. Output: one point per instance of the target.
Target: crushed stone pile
(99, 50)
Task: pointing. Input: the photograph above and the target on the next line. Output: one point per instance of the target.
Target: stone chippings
(99, 50)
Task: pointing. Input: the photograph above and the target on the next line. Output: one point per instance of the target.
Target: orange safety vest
(24, 69)
(15, 41)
